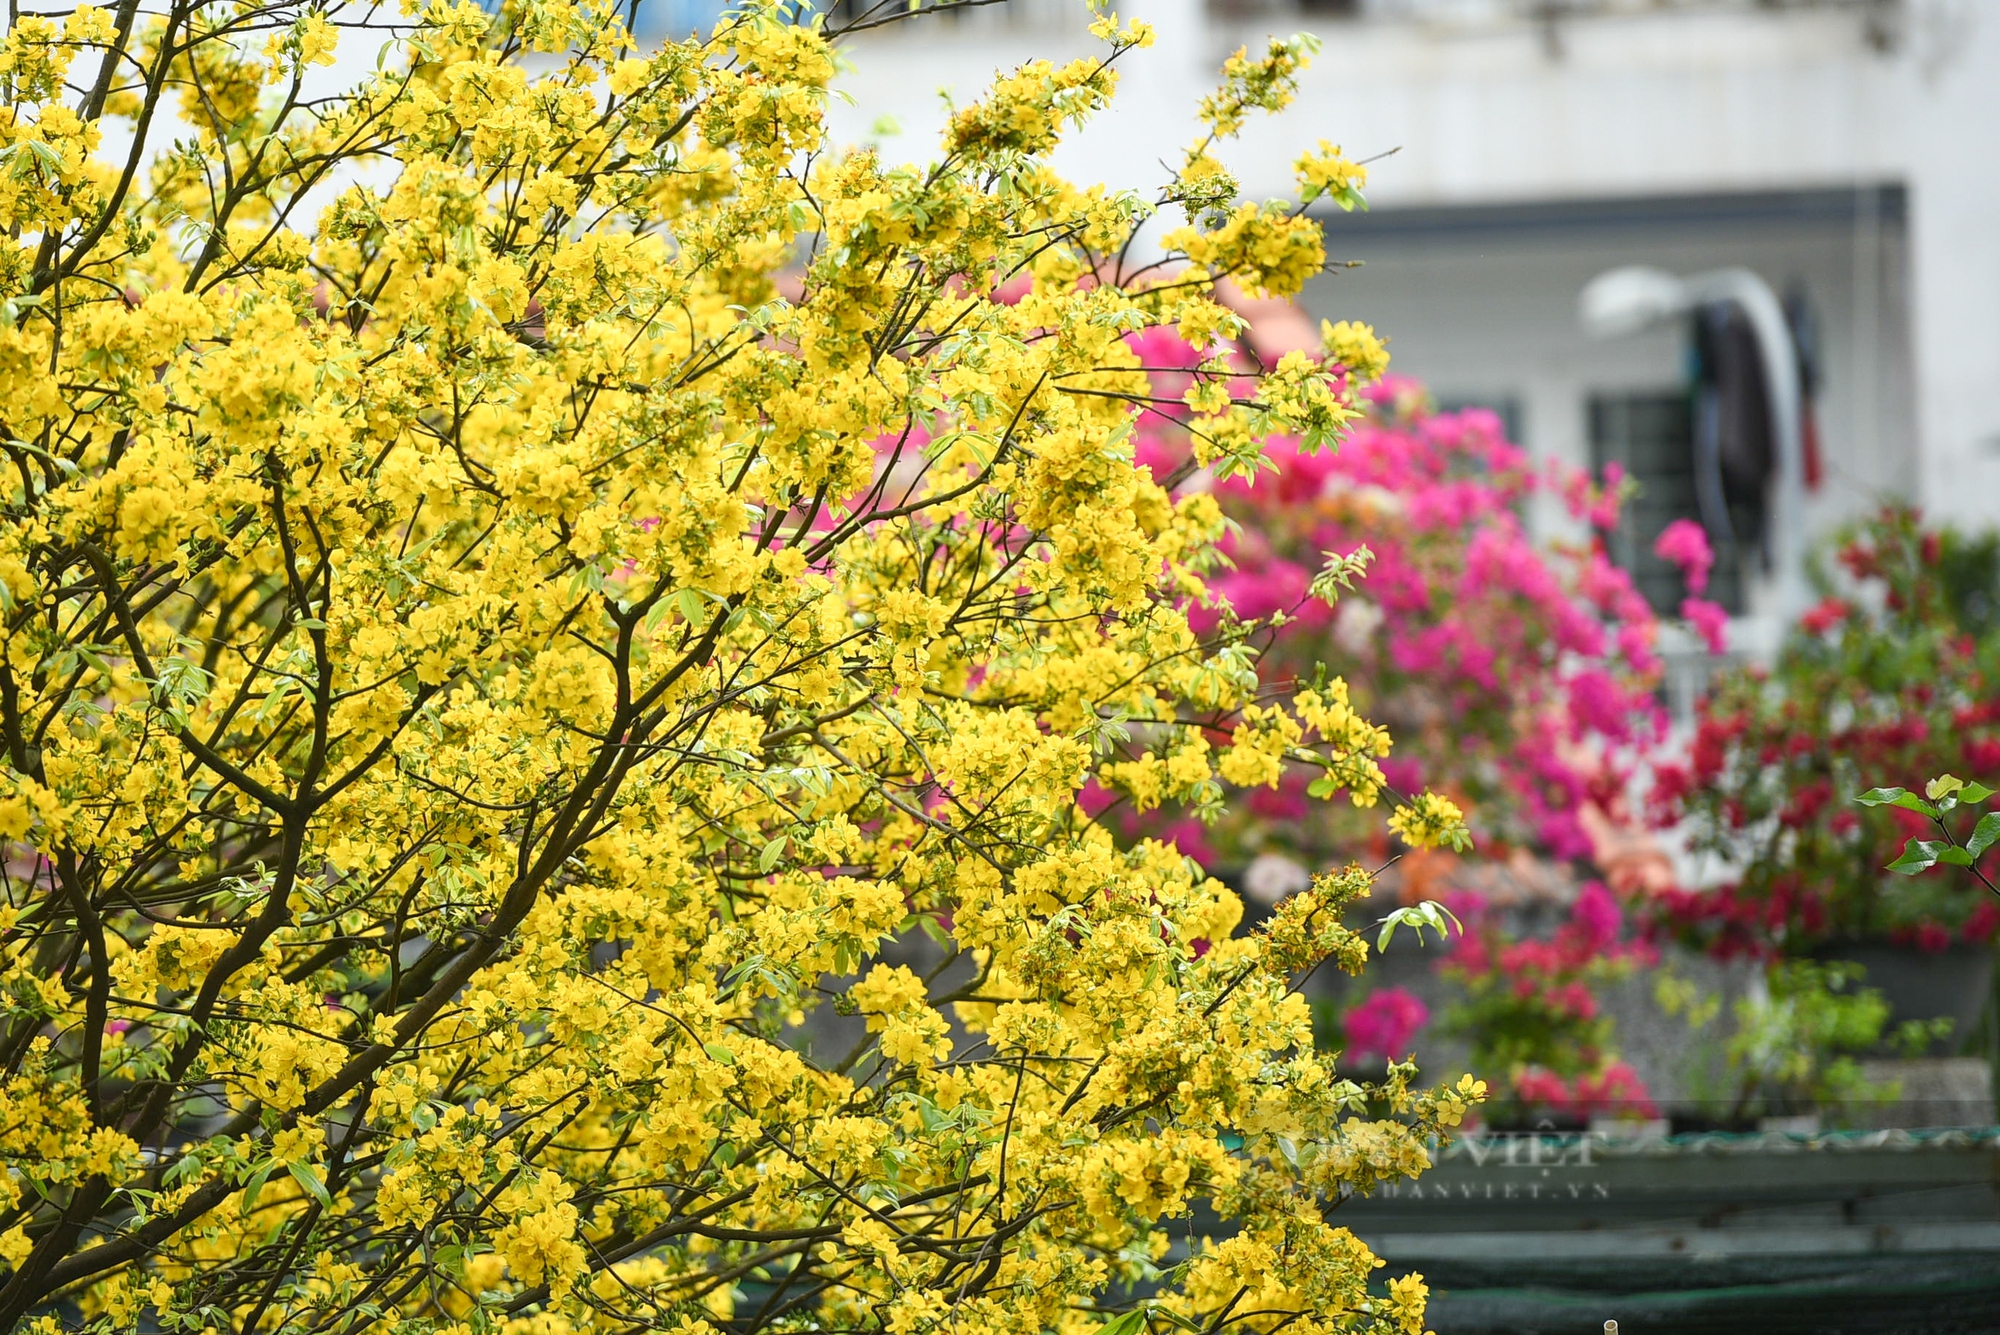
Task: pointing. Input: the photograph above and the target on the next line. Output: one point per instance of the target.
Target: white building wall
(1484, 106)
(1953, 165)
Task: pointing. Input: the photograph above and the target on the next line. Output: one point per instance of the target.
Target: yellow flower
(15, 1246)
(317, 40)
(1407, 1297)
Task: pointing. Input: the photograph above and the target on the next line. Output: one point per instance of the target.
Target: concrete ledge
(1692, 1242)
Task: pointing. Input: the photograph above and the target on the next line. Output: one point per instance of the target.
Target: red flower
(1982, 754)
(1825, 615)
(1806, 803)
(1859, 559)
(1616, 1089)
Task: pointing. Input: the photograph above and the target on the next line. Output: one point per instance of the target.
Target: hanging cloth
(1735, 454)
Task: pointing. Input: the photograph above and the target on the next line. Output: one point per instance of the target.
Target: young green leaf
(1416, 917)
(255, 1188)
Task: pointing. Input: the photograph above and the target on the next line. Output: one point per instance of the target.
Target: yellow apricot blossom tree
(492, 692)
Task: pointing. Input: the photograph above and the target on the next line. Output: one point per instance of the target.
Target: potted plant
(1894, 672)
(1530, 1011)
(1793, 1058)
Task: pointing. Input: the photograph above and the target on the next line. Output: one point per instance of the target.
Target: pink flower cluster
(1512, 673)
(1516, 675)
(1383, 1023)
(1544, 988)
(1684, 543)
(1710, 622)
(1614, 1091)
(1550, 971)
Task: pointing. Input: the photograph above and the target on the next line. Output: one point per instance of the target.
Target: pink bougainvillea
(1684, 544)
(1709, 620)
(1517, 675)
(1512, 673)
(1530, 1008)
(1383, 1024)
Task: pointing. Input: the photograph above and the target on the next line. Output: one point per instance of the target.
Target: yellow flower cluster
(1327, 171)
(1353, 744)
(1356, 346)
(542, 769)
(1273, 250)
(1429, 821)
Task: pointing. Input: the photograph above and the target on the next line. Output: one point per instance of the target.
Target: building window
(1652, 437)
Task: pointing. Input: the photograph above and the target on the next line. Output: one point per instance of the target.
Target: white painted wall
(1484, 106)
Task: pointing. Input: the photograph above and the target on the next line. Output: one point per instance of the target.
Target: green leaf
(1416, 917)
(1974, 793)
(48, 155)
(1984, 834)
(308, 1178)
(451, 1259)
(1339, 573)
(773, 851)
(1919, 855)
(1896, 797)
(186, 1166)
(1127, 1323)
(717, 1053)
(256, 1185)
